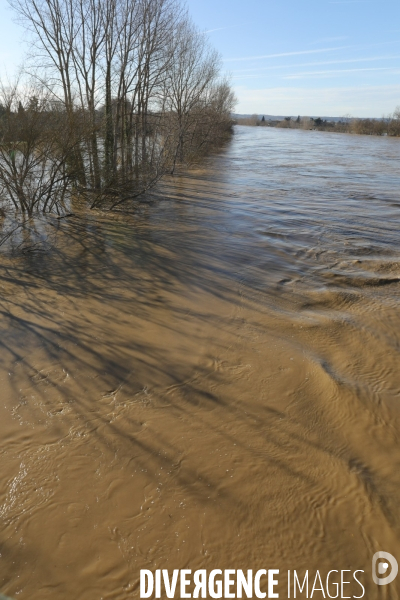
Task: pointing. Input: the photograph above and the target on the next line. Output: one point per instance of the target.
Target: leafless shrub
(368, 126)
(35, 151)
(249, 121)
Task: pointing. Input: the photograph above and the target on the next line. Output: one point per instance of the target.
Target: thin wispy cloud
(316, 51)
(296, 53)
(256, 70)
(217, 29)
(227, 27)
(335, 72)
(350, 2)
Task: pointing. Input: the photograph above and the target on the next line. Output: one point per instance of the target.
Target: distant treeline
(386, 126)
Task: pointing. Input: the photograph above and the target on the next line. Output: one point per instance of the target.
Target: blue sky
(308, 57)
(289, 57)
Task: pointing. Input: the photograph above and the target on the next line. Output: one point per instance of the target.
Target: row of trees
(120, 93)
(386, 126)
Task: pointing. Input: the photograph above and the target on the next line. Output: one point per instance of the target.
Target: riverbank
(389, 126)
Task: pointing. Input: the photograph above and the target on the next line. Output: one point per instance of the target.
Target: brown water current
(212, 381)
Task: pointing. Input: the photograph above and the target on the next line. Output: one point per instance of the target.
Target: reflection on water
(210, 382)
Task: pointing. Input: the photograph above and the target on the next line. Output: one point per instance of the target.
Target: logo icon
(380, 568)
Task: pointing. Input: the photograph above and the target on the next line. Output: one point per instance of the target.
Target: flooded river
(212, 381)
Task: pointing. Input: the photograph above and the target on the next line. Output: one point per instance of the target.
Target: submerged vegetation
(119, 93)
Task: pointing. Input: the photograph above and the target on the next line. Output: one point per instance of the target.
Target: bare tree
(138, 85)
(193, 73)
(35, 143)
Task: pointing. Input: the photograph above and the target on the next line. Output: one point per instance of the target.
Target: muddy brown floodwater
(211, 382)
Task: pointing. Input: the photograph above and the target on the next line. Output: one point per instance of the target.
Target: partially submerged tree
(36, 143)
(138, 88)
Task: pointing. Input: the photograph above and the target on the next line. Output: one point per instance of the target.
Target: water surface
(211, 381)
